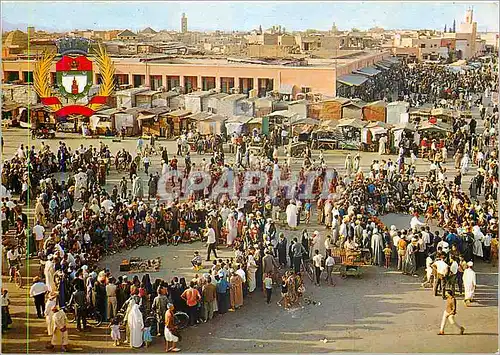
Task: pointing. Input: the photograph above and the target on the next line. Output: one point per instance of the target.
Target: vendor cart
(351, 261)
(297, 149)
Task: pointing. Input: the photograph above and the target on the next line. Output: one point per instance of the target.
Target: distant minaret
(454, 28)
(184, 23)
(444, 28)
(469, 16)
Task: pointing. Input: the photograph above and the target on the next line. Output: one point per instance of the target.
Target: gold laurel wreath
(41, 76)
(107, 71)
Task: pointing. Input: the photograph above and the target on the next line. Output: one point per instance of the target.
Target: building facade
(219, 74)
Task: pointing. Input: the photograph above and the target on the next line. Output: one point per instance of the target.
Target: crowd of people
(78, 221)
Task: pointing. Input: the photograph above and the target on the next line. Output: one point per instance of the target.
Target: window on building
(226, 84)
(139, 80)
(12, 75)
(264, 86)
(190, 84)
(246, 84)
(173, 82)
(155, 82)
(27, 76)
(207, 83)
(305, 90)
(422, 45)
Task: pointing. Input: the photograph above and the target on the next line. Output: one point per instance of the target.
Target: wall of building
(318, 79)
(267, 51)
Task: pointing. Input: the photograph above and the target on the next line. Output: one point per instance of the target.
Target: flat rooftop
(311, 62)
(163, 59)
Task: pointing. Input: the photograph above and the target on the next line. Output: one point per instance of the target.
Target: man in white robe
(348, 165)
(232, 229)
(251, 270)
(469, 280)
(477, 248)
(49, 272)
(49, 305)
(81, 180)
(136, 325)
(291, 215)
(137, 187)
(381, 145)
(415, 222)
(464, 164)
(59, 329)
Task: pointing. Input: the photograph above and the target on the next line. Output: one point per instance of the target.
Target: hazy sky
(247, 15)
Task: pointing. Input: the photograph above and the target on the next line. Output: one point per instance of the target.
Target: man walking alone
(450, 313)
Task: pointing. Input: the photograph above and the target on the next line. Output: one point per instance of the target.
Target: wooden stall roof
(179, 113)
(352, 122)
(199, 116)
(148, 93)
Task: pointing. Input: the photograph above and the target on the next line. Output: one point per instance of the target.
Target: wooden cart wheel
(343, 272)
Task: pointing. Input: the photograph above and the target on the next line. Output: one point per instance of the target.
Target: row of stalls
(355, 134)
(355, 83)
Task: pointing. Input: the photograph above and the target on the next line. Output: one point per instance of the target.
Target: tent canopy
(404, 126)
(282, 113)
(382, 65)
(369, 71)
(307, 121)
(351, 122)
(436, 127)
(143, 116)
(352, 79)
(327, 126)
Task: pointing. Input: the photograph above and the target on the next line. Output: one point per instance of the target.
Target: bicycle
(93, 316)
(307, 267)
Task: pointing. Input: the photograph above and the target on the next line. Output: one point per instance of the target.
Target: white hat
(470, 264)
(316, 232)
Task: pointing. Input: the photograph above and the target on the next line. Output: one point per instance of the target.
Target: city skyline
(245, 16)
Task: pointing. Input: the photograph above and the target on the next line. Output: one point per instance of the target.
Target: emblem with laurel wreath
(41, 76)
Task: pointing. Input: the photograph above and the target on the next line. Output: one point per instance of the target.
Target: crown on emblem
(77, 45)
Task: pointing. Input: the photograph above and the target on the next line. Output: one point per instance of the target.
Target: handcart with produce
(351, 261)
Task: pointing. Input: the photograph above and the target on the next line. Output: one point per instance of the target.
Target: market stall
(152, 121)
(399, 132)
(178, 120)
(419, 114)
(373, 131)
(351, 133)
(395, 110)
(325, 136)
(443, 114)
(212, 124)
(375, 111)
(303, 127)
(237, 124)
(127, 120)
(10, 113)
(261, 124)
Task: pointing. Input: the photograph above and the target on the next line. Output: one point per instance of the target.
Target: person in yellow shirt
(387, 252)
(401, 252)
